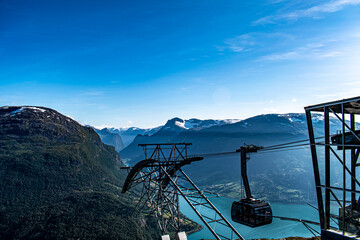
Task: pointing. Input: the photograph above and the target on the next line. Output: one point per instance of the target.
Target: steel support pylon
(163, 182)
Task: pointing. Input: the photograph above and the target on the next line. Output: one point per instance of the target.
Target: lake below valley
(277, 229)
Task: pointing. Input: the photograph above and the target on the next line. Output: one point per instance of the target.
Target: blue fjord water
(277, 229)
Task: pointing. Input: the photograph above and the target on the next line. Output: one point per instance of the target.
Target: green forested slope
(58, 181)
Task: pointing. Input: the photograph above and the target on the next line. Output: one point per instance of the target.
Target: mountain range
(282, 176)
(122, 137)
(128, 134)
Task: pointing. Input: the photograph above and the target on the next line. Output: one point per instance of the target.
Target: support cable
(268, 148)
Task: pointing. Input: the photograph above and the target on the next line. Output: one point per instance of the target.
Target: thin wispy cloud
(277, 1)
(249, 41)
(313, 51)
(312, 12)
(240, 43)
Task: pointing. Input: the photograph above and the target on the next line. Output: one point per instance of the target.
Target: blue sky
(139, 63)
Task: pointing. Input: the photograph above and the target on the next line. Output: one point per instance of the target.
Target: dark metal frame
(163, 181)
(345, 111)
(244, 151)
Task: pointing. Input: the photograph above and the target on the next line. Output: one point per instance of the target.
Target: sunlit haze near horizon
(140, 63)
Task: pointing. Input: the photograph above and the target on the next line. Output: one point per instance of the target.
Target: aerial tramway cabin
(350, 139)
(250, 211)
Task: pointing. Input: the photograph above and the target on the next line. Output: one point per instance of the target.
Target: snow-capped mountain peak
(194, 124)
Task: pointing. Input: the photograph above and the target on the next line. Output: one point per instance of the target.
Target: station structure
(335, 150)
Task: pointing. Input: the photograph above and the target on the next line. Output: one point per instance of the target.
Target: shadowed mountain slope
(109, 138)
(59, 181)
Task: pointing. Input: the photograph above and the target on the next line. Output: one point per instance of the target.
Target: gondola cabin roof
(253, 202)
(351, 105)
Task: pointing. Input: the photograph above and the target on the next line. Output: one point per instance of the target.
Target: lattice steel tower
(163, 182)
